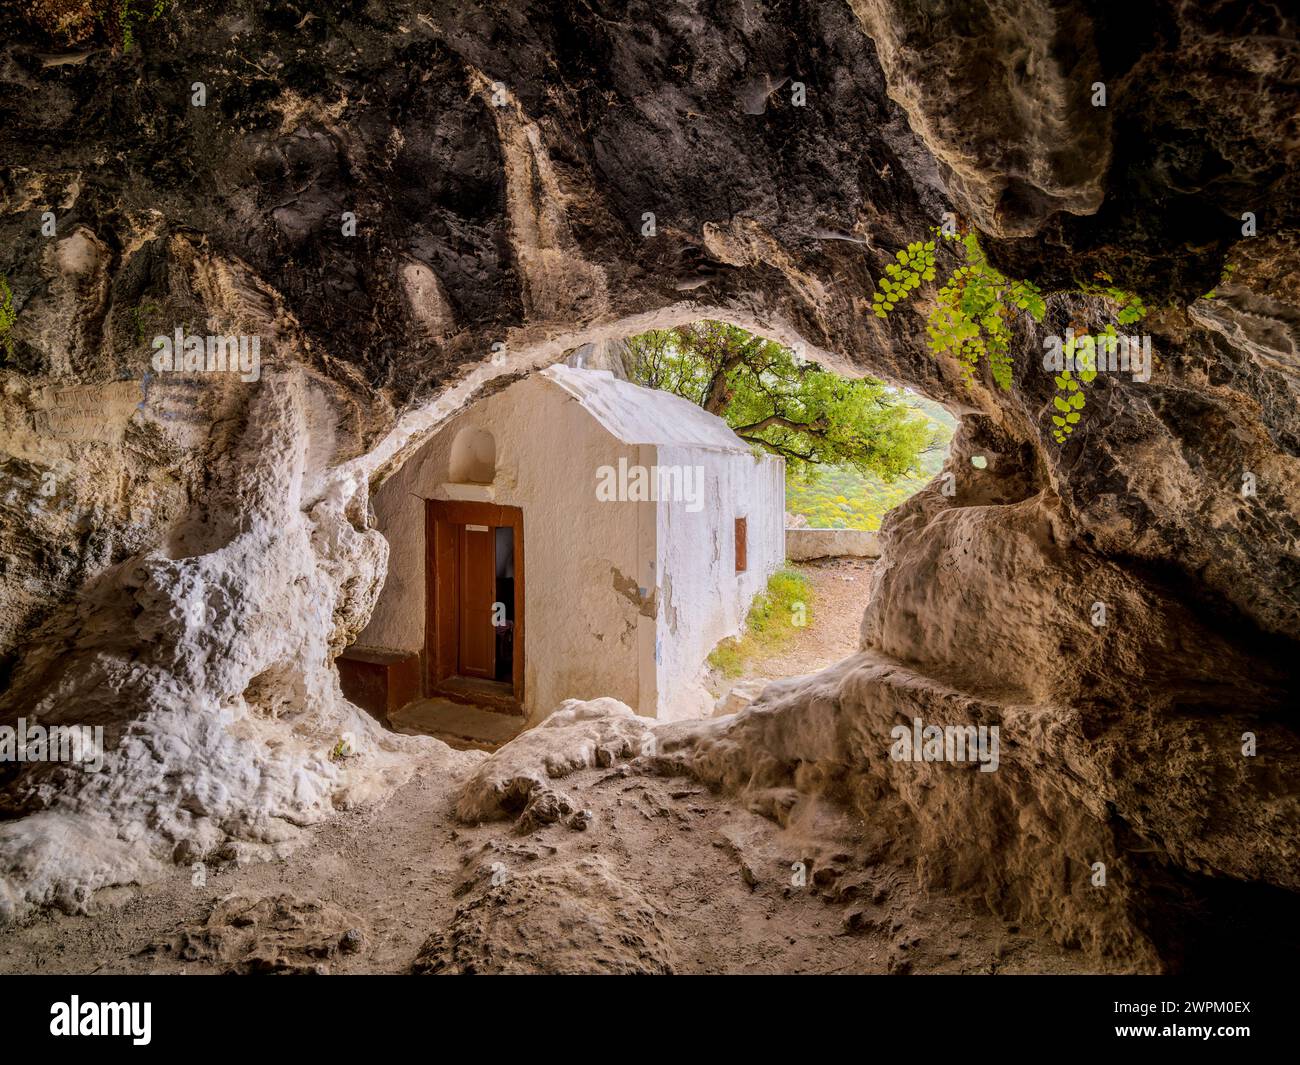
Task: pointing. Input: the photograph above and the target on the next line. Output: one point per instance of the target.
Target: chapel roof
(638, 415)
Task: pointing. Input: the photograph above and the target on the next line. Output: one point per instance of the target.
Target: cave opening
(659, 519)
(855, 448)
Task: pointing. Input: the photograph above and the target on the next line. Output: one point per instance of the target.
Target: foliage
(1224, 278)
(139, 318)
(122, 18)
(970, 320)
(770, 622)
(7, 317)
(1129, 308)
(1070, 398)
(915, 264)
(782, 403)
(839, 497)
(972, 313)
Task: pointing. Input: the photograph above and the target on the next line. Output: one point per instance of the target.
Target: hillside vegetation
(840, 497)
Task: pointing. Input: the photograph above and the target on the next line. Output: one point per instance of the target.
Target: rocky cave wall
(183, 555)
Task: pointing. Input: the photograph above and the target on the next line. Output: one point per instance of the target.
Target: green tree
(784, 404)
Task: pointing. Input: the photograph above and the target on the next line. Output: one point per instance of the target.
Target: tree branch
(811, 428)
(780, 449)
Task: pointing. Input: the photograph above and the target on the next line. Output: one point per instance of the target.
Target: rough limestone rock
(219, 645)
(1047, 150)
(579, 734)
(183, 554)
(738, 696)
(1199, 102)
(569, 917)
(277, 935)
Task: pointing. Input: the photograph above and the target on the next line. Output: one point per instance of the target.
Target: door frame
(441, 531)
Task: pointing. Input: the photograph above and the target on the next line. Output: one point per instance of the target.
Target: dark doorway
(503, 606)
(474, 603)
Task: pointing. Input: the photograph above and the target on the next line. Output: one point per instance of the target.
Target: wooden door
(460, 589)
(476, 566)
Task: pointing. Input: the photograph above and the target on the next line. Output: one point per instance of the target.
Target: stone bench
(379, 680)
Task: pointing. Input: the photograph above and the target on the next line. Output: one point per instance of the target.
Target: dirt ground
(714, 881)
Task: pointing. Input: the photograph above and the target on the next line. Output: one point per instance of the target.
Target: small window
(742, 545)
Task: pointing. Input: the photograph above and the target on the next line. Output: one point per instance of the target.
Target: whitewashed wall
(804, 543)
(702, 597)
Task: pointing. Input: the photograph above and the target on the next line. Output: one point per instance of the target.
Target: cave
(255, 262)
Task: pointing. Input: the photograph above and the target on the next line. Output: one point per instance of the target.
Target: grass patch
(773, 618)
(7, 317)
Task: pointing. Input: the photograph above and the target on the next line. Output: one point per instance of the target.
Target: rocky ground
(666, 877)
(655, 874)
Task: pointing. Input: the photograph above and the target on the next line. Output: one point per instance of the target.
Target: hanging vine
(973, 312)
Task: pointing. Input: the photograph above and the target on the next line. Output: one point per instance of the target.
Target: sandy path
(839, 588)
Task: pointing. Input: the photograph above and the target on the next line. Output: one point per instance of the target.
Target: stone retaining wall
(803, 544)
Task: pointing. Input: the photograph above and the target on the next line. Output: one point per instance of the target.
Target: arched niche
(473, 457)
